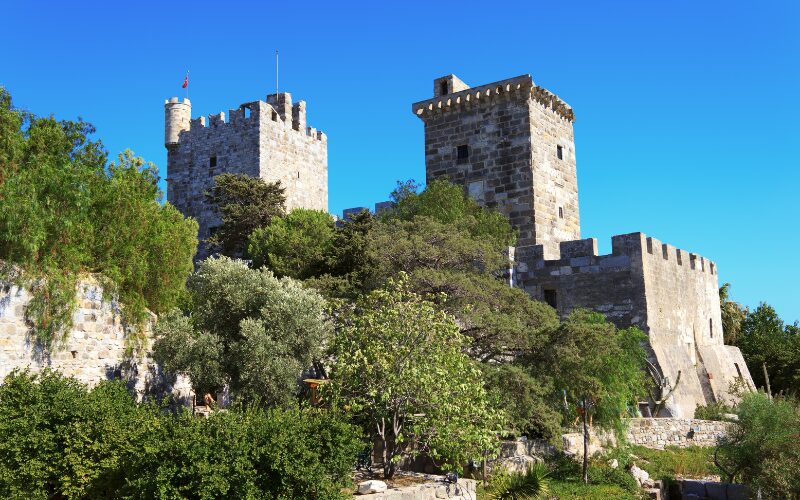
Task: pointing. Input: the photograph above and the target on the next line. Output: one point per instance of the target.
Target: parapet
(460, 96)
(277, 109)
(581, 255)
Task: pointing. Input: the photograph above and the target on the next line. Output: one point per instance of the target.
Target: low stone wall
(681, 432)
(94, 349)
(464, 490)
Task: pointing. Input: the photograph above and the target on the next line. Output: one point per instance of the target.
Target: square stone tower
(262, 139)
(511, 145)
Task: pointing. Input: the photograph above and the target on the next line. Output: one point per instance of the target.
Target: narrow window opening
(462, 153)
(443, 87)
(212, 162)
(560, 212)
(649, 246)
(74, 354)
(711, 327)
(664, 252)
(678, 256)
(246, 112)
(274, 116)
(551, 298)
(560, 152)
(298, 175)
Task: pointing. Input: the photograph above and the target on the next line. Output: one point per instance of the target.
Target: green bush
(60, 439)
(534, 483)
(713, 411)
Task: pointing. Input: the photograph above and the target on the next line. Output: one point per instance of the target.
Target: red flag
(185, 81)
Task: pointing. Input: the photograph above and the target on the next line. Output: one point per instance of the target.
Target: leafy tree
(245, 328)
(296, 245)
(733, 315)
(600, 369)
(244, 204)
(762, 447)
(765, 339)
(399, 367)
(64, 211)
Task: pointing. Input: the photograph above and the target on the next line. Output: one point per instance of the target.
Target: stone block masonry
(670, 294)
(681, 432)
(93, 350)
(511, 145)
(270, 140)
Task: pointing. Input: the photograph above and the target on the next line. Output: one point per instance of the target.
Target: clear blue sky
(686, 111)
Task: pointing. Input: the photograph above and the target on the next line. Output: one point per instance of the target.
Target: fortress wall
(670, 294)
(93, 350)
(610, 284)
(685, 327)
(555, 179)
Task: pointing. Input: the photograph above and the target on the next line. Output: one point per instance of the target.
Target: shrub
(534, 483)
(60, 439)
(713, 411)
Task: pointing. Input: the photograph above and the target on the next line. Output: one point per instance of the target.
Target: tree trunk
(585, 443)
(766, 379)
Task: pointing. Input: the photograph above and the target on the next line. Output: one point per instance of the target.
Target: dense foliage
(399, 367)
(243, 328)
(762, 448)
(296, 245)
(58, 439)
(64, 211)
(244, 204)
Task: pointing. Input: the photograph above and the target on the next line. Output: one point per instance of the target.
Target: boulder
(613, 463)
(641, 476)
(371, 486)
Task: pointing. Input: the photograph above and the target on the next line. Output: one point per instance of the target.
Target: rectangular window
(711, 327)
(212, 162)
(551, 298)
(560, 152)
(560, 212)
(443, 87)
(462, 153)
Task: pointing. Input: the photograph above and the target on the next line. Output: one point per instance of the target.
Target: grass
(675, 462)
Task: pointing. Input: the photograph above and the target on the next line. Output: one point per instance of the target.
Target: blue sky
(686, 111)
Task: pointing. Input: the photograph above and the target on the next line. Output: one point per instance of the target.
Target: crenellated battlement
(582, 256)
(255, 114)
(520, 87)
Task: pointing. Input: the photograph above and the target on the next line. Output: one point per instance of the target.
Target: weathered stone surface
(371, 486)
(268, 139)
(465, 489)
(91, 357)
(681, 432)
(511, 145)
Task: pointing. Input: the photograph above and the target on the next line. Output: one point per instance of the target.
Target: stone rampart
(671, 294)
(681, 432)
(94, 349)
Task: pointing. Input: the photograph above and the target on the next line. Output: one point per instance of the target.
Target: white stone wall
(94, 349)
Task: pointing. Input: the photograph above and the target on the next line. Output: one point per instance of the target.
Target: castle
(270, 140)
(510, 144)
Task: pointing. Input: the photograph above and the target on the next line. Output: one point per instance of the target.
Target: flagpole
(187, 83)
(276, 73)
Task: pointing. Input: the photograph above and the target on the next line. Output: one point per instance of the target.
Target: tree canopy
(244, 204)
(65, 211)
(244, 328)
(399, 366)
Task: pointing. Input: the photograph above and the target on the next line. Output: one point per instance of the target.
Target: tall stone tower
(262, 139)
(511, 145)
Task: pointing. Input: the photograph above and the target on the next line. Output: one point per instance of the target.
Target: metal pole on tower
(276, 73)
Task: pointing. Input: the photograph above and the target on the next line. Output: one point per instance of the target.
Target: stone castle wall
(269, 140)
(670, 294)
(502, 142)
(681, 432)
(94, 349)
